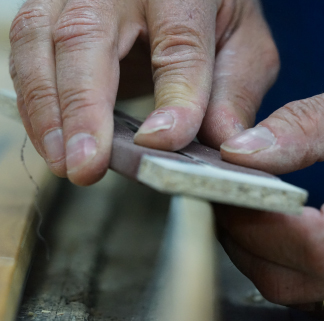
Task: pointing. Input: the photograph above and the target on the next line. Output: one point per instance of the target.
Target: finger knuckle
(176, 51)
(178, 46)
(75, 99)
(77, 27)
(29, 24)
(39, 94)
(305, 117)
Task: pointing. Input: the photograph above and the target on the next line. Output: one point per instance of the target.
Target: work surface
(104, 243)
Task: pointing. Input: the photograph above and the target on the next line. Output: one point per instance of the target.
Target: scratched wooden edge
(48, 188)
(212, 189)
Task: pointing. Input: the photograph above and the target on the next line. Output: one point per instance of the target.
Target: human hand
(214, 55)
(283, 255)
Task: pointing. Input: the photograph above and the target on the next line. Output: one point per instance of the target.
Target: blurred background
(297, 27)
(8, 10)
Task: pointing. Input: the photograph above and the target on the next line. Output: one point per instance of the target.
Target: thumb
(290, 139)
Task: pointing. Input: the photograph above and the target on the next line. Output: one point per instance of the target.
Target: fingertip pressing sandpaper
(196, 170)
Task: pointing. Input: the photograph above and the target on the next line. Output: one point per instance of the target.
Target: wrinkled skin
(212, 63)
(65, 66)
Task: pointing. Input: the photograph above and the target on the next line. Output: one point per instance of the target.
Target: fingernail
(54, 145)
(250, 141)
(80, 149)
(158, 121)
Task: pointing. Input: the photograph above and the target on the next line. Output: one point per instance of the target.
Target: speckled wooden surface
(104, 260)
(103, 254)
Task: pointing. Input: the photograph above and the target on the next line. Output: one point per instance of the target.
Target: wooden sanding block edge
(221, 185)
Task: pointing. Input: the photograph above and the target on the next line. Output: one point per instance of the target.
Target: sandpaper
(198, 170)
(195, 153)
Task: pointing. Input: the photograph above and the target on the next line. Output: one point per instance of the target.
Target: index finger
(34, 64)
(89, 43)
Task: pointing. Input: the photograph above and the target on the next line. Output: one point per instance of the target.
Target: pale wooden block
(220, 185)
(186, 286)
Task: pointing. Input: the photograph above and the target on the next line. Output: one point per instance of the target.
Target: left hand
(283, 255)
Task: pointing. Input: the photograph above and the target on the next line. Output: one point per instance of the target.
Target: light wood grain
(186, 286)
(221, 186)
(18, 219)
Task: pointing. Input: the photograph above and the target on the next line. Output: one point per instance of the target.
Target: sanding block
(196, 170)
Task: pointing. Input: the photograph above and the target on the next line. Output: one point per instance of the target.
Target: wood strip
(186, 289)
(18, 220)
(221, 186)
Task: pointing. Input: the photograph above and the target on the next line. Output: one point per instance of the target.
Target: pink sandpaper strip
(126, 156)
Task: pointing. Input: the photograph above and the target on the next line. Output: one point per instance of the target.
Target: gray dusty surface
(105, 241)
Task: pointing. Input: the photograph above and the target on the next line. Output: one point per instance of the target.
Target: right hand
(65, 68)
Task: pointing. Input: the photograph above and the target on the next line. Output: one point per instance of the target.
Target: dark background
(298, 30)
